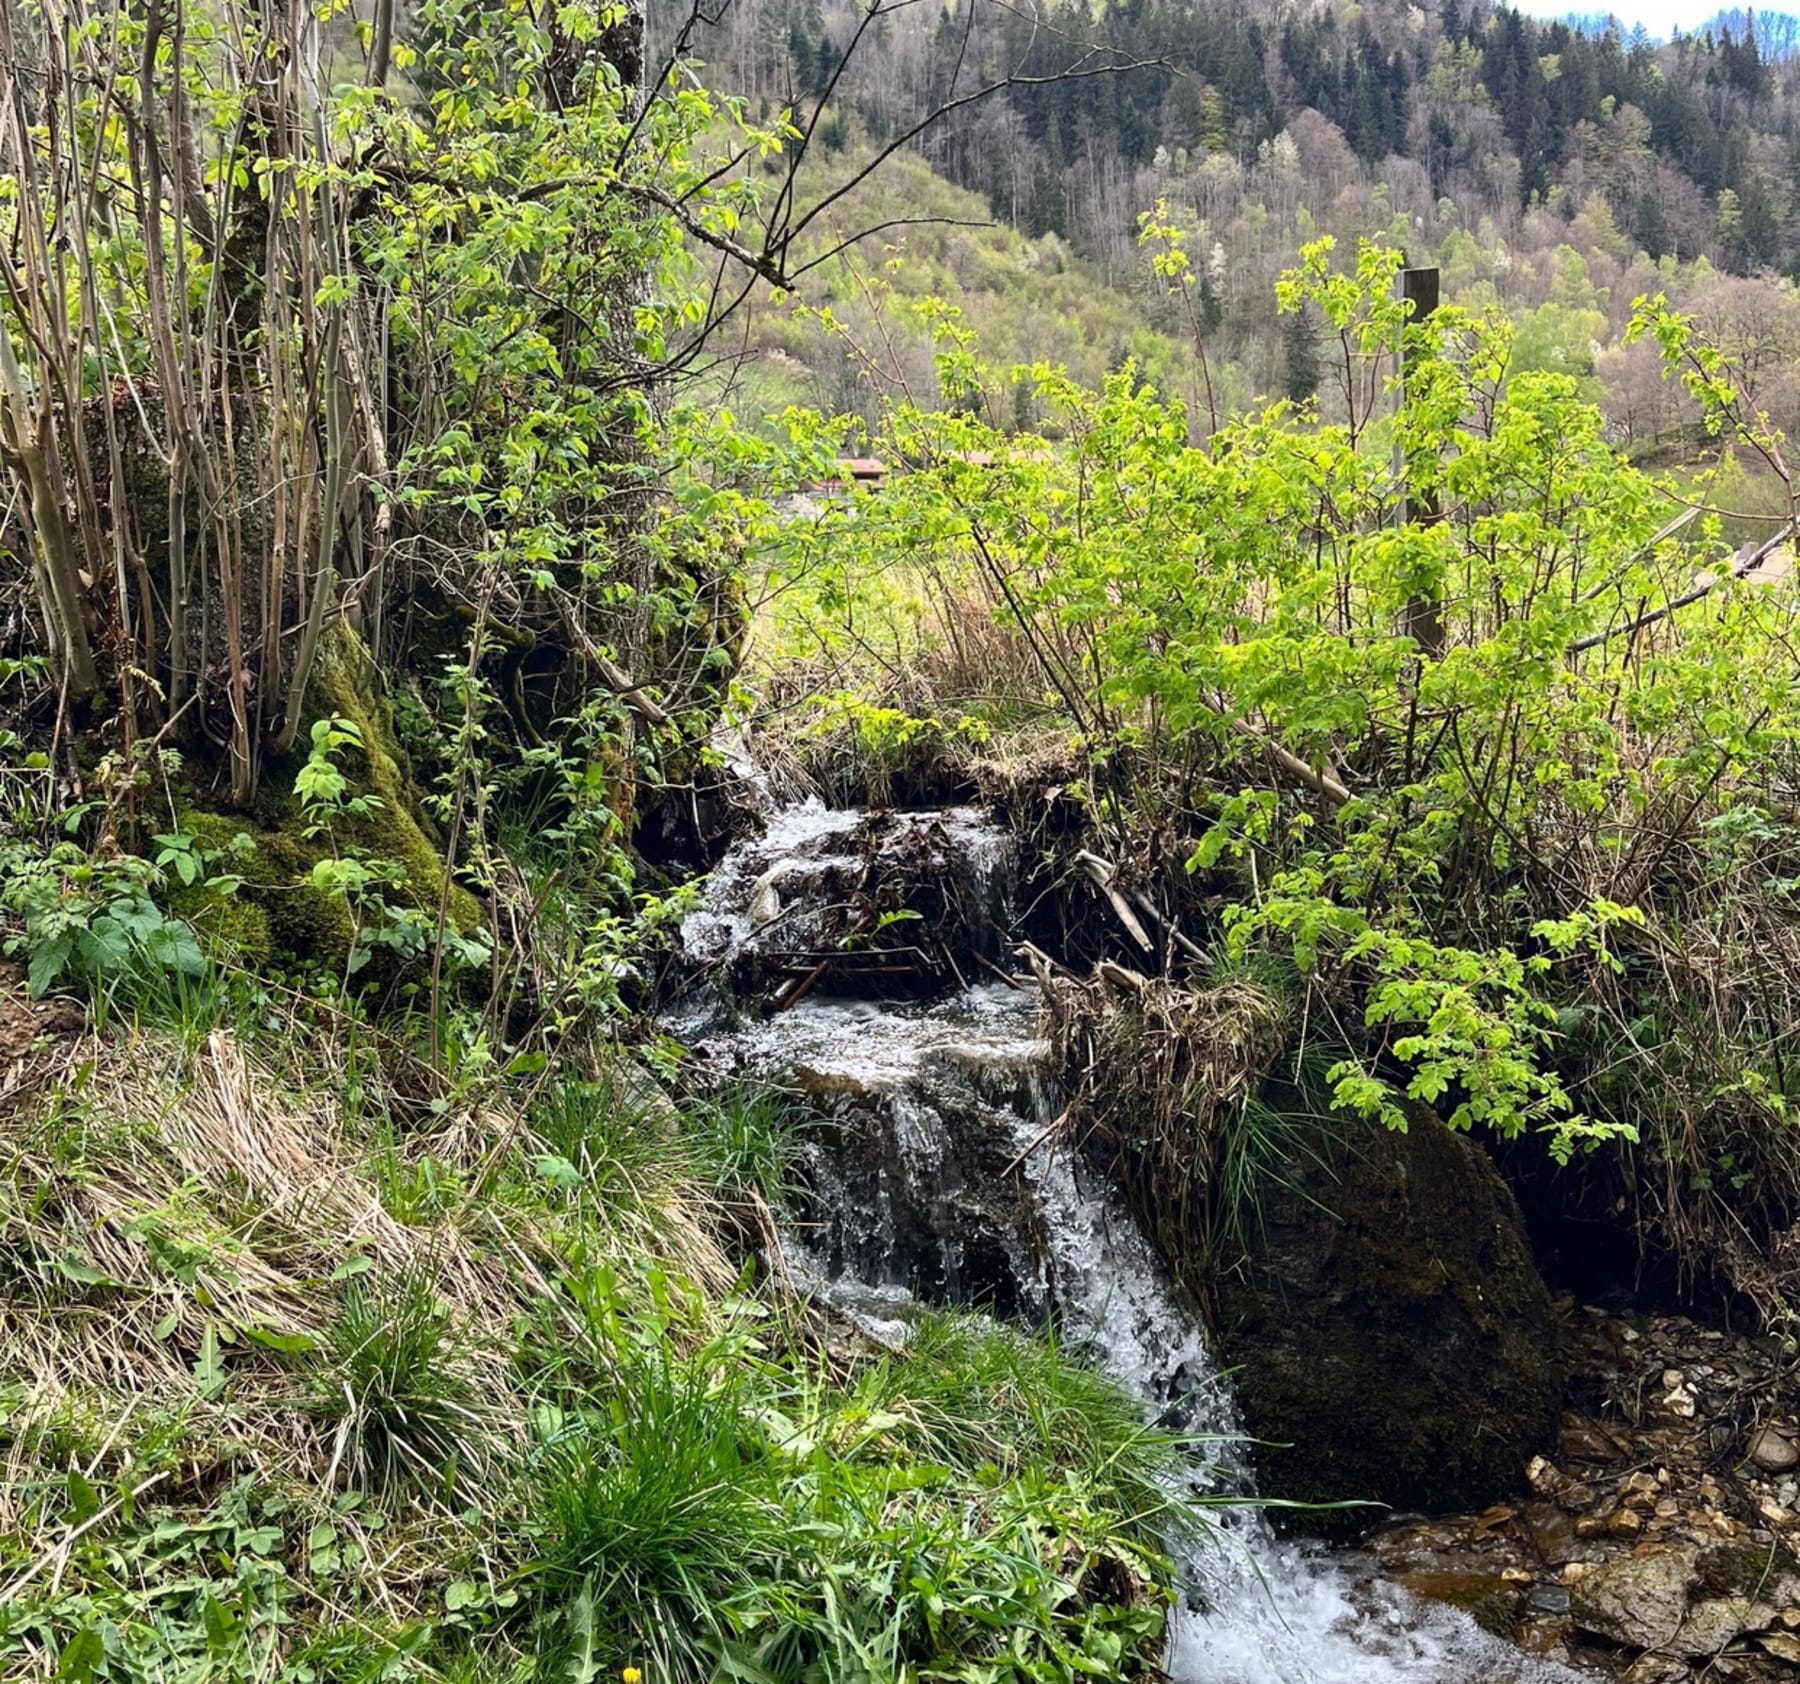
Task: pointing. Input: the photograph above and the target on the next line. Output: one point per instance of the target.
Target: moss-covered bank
(275, 847)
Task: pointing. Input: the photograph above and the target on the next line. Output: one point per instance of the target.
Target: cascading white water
(949, 1094)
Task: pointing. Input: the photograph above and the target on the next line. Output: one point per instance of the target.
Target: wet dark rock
(877, 904)
(915, 1188)
(1576, 1499)
(1639, 1600)
(1392, 1328)
(1548, 1599)
(1583, 1439)
(829, 1084)
(1491, 1601)
(1552, 1531)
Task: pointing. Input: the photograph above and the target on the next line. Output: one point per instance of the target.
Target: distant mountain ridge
(1776, 33)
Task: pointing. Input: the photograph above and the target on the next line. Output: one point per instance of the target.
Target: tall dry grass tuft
(1163, 1083)
(202, 1240)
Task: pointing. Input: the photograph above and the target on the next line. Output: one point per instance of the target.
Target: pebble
(1774, 1452)
(1548, 1599)
(1542, 1475)
(1657, 1669)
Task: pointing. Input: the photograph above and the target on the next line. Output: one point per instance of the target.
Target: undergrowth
(308, 1381)
(1476, 738)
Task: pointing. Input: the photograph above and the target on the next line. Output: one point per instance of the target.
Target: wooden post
(1424, 614)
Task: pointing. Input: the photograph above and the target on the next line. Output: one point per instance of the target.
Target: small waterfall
(948, 1181)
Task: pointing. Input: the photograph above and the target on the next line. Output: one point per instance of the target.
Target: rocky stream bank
(1630, 1481)
(1658, 1542)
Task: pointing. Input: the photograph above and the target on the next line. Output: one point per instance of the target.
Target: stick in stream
(1103, 875)
(1034, 1144)
(1006, 977)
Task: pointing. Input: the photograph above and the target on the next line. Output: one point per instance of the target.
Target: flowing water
(947, 1181)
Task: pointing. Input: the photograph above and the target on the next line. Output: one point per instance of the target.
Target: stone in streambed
(1710, 1625)
(1390, 1327)
(1583, 1439)
(1548, 1599)
(1489, 1599)
(1657, 1669)
(1637, 1600)
(1774, 1452)
(1552, 1532)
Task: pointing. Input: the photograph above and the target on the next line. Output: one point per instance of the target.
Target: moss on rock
(346, 686)
(232, 928)
(1392, 1338)
(275, 865)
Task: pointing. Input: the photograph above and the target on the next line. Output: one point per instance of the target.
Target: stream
(947, 1182)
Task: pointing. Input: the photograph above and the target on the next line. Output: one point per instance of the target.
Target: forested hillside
(1556, 172)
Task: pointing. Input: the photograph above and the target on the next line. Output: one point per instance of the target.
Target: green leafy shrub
(1443, 706)
(89, 919)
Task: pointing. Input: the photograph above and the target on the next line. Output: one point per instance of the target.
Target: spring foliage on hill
(1561, 174)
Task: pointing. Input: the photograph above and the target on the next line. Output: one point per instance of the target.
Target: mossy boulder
(1391, 1337)
(233, 928)
(275, 867)
(277, 909)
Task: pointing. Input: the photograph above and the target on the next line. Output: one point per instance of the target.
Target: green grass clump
(745, 1143)
(616, 1145)
(399, 1393)
(660, 1513)
(953, 1505)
